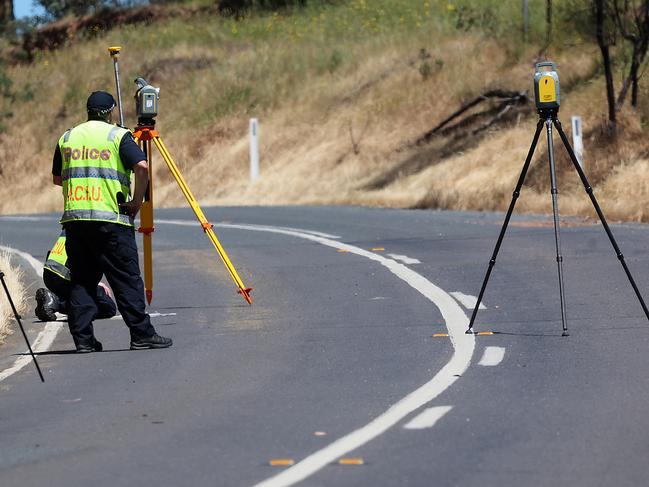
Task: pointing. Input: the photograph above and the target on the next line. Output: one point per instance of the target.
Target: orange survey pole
(146, 225)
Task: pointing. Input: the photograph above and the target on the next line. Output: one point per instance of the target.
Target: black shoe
(155, 341)
(46, 304)
(95, 347)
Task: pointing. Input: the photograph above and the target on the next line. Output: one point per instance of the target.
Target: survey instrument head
(546, 88)
(100, 104)
(114, 50)
(146, 102)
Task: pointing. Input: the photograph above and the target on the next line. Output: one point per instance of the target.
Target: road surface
(354, 349)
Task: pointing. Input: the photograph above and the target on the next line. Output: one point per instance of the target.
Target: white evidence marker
(405, 259)
(467, 300)
(427, 418)
(492, 356)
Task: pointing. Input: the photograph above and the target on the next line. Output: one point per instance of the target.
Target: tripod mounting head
(146, 102)
(547, 94)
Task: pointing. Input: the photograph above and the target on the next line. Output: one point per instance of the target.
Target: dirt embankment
(399, 120)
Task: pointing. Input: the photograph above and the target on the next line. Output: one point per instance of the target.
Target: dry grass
(13, 279)
(341, 99)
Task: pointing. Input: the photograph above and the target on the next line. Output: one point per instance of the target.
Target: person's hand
(131, 207)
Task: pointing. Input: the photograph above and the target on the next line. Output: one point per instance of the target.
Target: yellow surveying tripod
(145, 132)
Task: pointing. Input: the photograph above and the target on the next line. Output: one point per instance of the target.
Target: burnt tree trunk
(6, 11)
(633, 24)
(603, 43)
(548, 22)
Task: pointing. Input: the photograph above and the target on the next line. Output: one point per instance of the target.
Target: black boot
(46, 305)
(95, 346)
(155, 341)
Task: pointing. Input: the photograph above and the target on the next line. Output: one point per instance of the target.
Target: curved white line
(463, 346)
(456, 323)
(46, 336)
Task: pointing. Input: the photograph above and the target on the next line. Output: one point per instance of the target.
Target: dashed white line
(405, 259)
(467, 300)
(492, 356)
(428, 418)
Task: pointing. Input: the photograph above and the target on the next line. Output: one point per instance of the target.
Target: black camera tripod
(548, 117)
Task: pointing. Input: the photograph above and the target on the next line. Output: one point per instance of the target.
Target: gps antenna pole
(4, 285)
(517, 192)
(114, 53)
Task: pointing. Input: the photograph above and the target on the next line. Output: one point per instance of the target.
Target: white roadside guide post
(254, 150)
(577, 141)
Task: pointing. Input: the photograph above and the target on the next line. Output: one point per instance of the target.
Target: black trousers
(96, 248)
(61, 288)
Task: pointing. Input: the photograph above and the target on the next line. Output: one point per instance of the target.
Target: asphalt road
(338, 358)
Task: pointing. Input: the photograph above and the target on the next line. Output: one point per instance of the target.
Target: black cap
(100, 101)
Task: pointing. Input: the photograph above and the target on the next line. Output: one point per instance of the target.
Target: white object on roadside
(577, 141)
(254, 150)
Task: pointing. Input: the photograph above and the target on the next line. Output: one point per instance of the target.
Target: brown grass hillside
(345, 95)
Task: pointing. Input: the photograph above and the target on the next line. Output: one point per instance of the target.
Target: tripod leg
(517, 192)
(207, 226)
(600, 215)
(557, 229)
(13, 308)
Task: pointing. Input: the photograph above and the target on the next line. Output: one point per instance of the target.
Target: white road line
(47, 335)
(41, 344)
(405, 259)
(492, 356)
(467, 300)
(35, 263)
(428, 418)
(463, 346)
(259, 228)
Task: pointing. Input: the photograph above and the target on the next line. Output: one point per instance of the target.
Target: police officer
(93, 163)
(54, 297)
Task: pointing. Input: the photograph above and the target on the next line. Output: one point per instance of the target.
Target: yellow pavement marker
(351, 461)
(281, 462)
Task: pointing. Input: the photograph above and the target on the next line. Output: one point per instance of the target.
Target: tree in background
(57, 9)
(548, 22)
(6, 12)
(238, 7)
(605, 35)
(632, 21)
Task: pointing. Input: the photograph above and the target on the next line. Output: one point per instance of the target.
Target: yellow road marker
(351, 461)
(440, 335)
(342, 251)
(281, 462)
(485, 333)
(378, 248)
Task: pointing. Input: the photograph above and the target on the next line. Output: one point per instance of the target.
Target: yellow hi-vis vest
(57, 258)
(93, 173)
